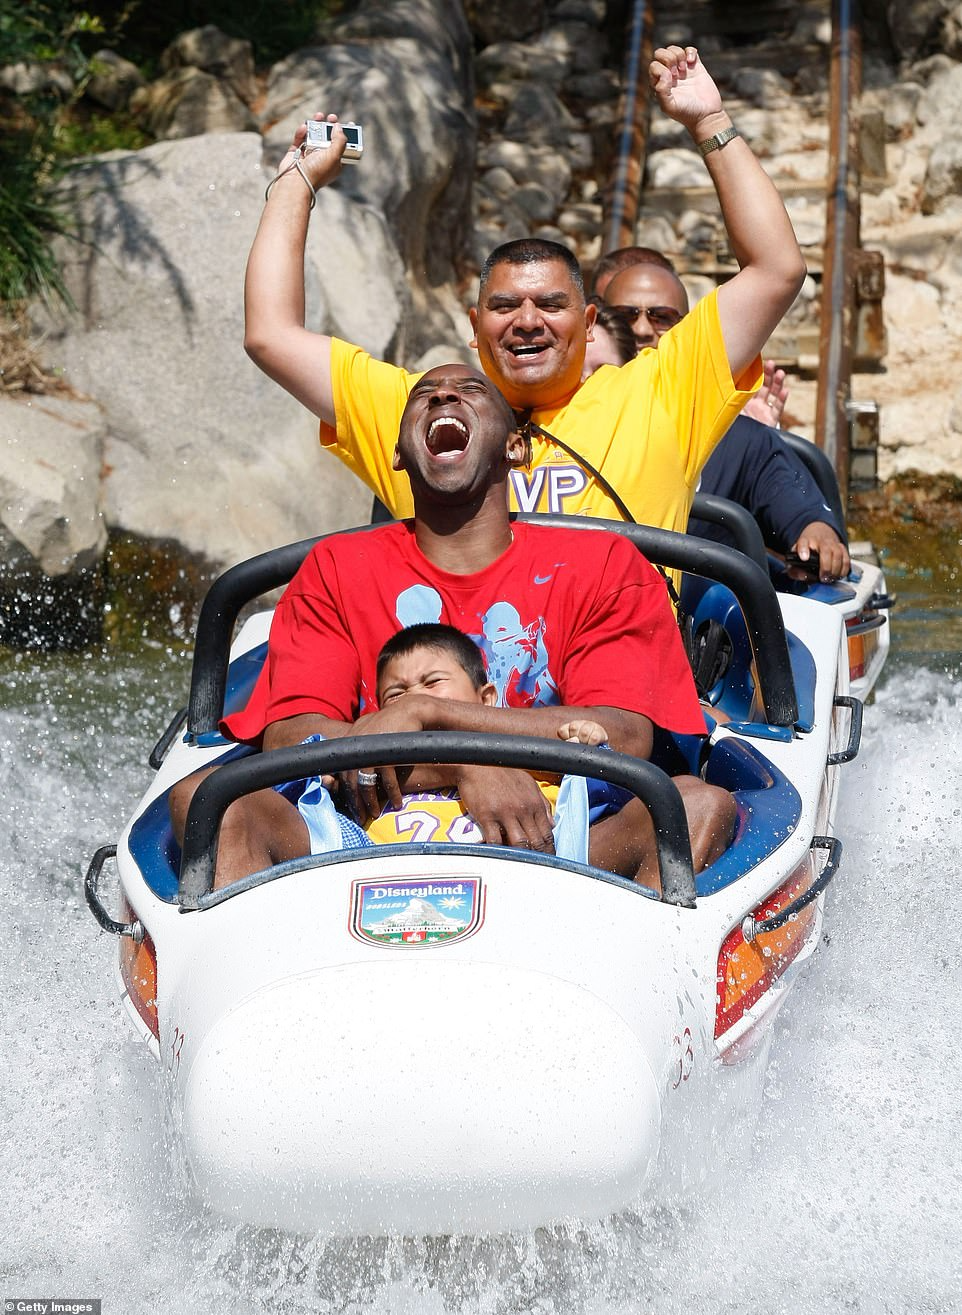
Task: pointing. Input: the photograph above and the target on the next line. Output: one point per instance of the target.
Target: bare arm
(771, 269)
(505, 802)
(275, 337)
(292, 730)
(628, 732)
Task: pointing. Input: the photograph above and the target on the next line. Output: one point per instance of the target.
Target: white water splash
(848, 1199)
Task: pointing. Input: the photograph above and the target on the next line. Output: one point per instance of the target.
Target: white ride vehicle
(450, 1038)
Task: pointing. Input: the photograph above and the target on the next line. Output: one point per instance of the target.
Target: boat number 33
(683, 1058)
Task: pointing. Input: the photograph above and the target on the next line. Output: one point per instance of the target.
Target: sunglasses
(661, 318)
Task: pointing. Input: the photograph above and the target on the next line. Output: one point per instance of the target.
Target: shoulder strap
(527, 427)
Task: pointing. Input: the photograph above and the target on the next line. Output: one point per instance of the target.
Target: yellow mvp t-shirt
(648, 427)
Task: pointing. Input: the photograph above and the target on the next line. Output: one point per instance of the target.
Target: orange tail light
(138, 968)
(747, 969)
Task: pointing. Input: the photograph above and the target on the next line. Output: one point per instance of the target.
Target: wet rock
(52, 529)
(51, 450)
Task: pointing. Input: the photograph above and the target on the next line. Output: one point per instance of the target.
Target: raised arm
(275, 337)
(771, 269)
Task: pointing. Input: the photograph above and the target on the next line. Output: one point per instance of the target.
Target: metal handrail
(221, 788)
(625, 188)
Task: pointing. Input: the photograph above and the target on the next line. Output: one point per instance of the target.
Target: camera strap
(528, 428)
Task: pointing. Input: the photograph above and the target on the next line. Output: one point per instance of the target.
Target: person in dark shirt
(752, 465)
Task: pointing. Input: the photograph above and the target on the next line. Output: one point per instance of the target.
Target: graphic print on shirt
(426, 817)
(555, 484)
(516, 658)
(515, 654)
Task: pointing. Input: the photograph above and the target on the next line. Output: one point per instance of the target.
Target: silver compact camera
(319, 138)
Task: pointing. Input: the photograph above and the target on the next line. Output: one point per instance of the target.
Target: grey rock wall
(192, 444)
(195, 445)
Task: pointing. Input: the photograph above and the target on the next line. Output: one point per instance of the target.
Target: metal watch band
(719, 140)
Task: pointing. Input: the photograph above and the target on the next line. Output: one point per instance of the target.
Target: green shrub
(28, 222)
(47, 38)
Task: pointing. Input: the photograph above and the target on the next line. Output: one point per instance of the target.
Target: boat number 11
(176, 1046)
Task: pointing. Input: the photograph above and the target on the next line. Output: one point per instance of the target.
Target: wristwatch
(719, 140)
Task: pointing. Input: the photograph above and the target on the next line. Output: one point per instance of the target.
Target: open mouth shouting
(446, 438)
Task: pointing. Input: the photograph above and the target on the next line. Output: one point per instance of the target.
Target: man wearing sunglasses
(752, 465)
(648, 323)
(625, 444)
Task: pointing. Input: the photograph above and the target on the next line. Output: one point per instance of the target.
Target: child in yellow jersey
(443, 662)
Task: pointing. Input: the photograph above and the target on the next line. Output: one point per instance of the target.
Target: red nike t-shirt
(576, 617)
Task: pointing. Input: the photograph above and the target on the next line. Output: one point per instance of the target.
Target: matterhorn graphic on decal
(416, 911)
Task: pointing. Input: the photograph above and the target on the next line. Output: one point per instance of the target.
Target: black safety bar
(218, 614)
(159, 752)
(850, 751)
(260, 771)
(736, 520)
(748, 581)
(135, 928)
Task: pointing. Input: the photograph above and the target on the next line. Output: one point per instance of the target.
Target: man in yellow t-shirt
(638, 436)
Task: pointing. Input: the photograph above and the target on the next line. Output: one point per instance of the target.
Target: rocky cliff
(476, 131)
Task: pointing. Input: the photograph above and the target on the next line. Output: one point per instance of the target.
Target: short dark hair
(613, 262)
(443, 639)
(618, 327)
(532, 251)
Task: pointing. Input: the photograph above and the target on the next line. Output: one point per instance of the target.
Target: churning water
(847, 1200)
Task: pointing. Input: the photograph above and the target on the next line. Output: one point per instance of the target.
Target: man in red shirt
(572, 623)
